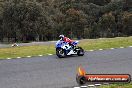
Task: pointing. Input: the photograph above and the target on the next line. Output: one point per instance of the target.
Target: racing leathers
(69, 41)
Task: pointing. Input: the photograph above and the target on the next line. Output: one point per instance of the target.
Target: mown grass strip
(106, 43)
(117, 86)
(25, 51)
(87, 44)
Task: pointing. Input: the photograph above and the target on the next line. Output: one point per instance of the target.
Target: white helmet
(61, 36)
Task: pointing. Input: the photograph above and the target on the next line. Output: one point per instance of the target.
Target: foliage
(31, 20)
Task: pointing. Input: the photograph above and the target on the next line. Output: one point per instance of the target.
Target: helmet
(61, 36)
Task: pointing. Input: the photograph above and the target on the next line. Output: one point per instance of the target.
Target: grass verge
(106, 43)
(24, 51)
(117, 86)
(87, 44)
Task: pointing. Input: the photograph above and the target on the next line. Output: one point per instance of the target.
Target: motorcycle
(63, 49)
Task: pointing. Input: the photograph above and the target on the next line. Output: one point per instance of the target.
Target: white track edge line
(28, 56)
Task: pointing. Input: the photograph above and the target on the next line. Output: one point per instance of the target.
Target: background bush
(42, 20)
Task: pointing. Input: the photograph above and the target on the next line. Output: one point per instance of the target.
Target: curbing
(18, 57)
(8, 58)
(100, 49)
(89, 86)
(91, 50)
(121, 47)
(86, 50)
(111, 48)
(97, 84)
(28, 56)
(50, 54)
(83, 86)
(40, 55)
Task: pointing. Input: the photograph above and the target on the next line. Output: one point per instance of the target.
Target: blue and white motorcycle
(63, 49)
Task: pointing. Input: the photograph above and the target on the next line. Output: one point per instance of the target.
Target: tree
(107, 25)
(127, 26)
(24, 19)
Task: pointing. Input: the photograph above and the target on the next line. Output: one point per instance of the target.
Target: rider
(66, 39)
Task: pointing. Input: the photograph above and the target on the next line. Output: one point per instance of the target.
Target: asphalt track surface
(51, 72)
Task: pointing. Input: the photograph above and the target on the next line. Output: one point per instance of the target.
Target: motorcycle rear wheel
(80, 52)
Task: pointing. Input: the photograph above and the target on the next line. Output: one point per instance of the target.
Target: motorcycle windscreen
(75, 43)
(59, 44)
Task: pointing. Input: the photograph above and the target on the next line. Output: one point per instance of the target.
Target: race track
(51, 72)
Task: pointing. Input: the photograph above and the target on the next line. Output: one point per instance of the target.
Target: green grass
(117, 86)
(105, 43)
(25, 51)
(87, 44)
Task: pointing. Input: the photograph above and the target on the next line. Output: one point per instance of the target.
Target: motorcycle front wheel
(60, 53)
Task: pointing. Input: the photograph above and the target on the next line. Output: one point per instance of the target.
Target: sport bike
(63, 49)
